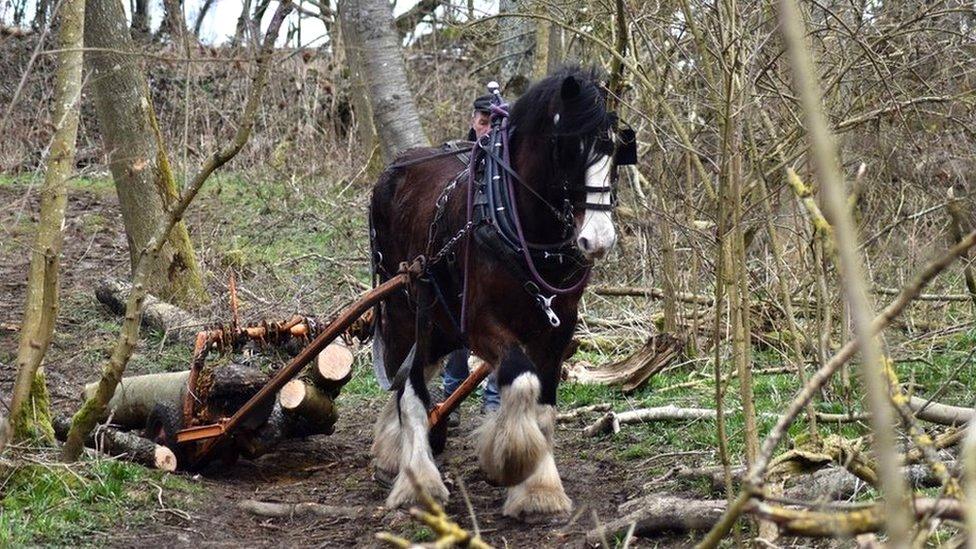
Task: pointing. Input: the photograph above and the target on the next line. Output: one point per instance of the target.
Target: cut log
(157, 314)
(943, 414)
(230, 387)
(227, 388)
(612, 421)
(129, 446)
(262, 440)
(311, 410)
(136, 396)
(332, 369)
(633, 372)
(289, 510)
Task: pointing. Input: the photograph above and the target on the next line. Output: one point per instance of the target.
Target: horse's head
(568, 110)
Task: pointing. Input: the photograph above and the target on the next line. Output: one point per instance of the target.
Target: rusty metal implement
(211, 436)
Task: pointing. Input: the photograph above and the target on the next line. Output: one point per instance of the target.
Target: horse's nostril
(583, 243)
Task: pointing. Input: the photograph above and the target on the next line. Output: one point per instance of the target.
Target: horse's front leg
(511, 444)
(542, 493)
(415, 453)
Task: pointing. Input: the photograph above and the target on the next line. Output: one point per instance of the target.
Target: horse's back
(404, 200)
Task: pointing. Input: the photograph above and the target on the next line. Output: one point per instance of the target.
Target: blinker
(626, 152)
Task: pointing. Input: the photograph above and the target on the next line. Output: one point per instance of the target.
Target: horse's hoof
(404, 494)
(538, 505)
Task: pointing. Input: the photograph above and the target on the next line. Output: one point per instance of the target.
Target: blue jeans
(456, 371)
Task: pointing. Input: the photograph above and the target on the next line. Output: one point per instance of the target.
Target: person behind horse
(456, 369)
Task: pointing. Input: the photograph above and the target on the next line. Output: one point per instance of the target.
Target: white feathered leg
(415, 454)
(542, 493)
(511, 444)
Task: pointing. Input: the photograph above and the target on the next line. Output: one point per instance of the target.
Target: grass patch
(62, 505)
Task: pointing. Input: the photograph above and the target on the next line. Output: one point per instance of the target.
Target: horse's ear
(570, 89)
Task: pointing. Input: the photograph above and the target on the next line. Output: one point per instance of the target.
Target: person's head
(481, 116)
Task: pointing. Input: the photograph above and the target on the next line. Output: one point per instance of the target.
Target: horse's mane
(583, 115)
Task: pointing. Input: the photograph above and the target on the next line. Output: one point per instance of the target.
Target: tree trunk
(243, 23)
(207, 4)
(515, 47)
(394, 111)
(40, 14)
(140, 20)
(137, 157)
(363, 112)
(30, 412)
(173, 25)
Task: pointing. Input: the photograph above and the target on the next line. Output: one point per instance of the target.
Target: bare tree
(94, 407)
(394, 111)
(138, 160)
(140, 19)
(204, 9)
(516, 46)
(30, 412)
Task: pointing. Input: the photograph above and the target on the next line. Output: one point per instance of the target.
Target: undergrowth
(56, 504)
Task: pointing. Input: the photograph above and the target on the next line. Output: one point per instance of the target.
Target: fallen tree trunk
(290, 510)
(653, 293)
(136, 396)
(943, 414)
(157, 314)
(129, 446)
(663, 514)
(275, 429)
(612, 421)
(222, 391)
(633, 372)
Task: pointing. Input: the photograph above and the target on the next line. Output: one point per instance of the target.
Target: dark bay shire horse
(509, 237)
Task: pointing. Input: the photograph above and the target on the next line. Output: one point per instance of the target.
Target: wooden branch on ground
(633, 372)
(129, 446)
(292, 510)
(577, 413)
(612, 421)
(943, 414)
(156, 314)
(657, 514)
(652, 293)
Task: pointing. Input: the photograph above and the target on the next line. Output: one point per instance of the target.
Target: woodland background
(729, 245)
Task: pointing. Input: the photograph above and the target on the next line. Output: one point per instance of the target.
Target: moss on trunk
(33, 422)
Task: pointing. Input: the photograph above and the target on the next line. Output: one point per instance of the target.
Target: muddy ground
(327, 469)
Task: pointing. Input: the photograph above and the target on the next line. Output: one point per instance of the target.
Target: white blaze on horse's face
(597, 234)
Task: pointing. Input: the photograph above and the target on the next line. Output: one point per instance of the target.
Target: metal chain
(467, 228)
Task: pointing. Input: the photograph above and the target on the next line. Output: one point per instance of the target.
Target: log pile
(161, 405)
